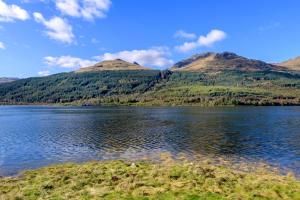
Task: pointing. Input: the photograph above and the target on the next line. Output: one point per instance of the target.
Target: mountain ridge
(291, 64)
(238, 81)
(117, 64)
(211, 61)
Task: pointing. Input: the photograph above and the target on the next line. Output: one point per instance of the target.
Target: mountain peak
(227, 55)
(292, 64)
(211, 61)
(117, 64)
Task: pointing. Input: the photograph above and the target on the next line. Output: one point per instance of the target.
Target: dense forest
(153, 87)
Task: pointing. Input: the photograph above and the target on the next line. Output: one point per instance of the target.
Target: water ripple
(33, 136)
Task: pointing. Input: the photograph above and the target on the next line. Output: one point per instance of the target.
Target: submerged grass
(148, 180)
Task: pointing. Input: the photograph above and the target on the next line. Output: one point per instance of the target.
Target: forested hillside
(153, 87)
(70, 87)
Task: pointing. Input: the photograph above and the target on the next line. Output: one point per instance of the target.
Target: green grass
(147, 180)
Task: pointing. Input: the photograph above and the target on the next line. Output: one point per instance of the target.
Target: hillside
(208, 62)
(70, 87)
(255, 84)
(117, 64)
(7, 80)
(150, 87)
(292, 64)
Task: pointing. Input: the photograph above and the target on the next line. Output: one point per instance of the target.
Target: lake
(36, 136)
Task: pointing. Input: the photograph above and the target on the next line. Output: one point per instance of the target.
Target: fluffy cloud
(57, 28)
(44, 73)
(212, 37)
(10, 13)
(68, 62)
(187, 46)
(149, 57)
(2, 46)
(206, 41)
(157, 57)
(185, 35)
(88, 9)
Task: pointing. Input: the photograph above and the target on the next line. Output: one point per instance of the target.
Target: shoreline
(147, 105)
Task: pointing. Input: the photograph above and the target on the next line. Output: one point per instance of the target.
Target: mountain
(117, 64)
(239, 81)
(292, 64)
(222, 61)
(7, 80)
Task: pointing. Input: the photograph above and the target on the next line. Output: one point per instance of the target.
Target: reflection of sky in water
(31, 137)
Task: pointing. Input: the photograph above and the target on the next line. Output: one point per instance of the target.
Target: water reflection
(31, 137)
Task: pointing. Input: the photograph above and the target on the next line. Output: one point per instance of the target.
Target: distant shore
(168, 179)
(92, 103)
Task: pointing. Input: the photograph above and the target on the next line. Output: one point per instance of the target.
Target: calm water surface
(35, 136)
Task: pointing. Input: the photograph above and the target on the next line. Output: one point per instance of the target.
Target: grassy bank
(148, 180)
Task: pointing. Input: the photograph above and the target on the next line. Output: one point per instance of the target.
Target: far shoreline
(146, 105)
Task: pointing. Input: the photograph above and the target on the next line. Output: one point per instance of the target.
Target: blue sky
(40, 37)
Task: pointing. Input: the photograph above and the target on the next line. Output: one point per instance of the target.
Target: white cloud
(203, 41)
(44, 73)
(33, 1)
(187, 46)
(68, 62)
(68, 7)
(212, 37)
(2, 46)
(57, 28)
(185, 35)
(88, 9)
(157, 56)
(10, 13)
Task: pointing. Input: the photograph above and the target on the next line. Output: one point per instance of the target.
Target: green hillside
(153, 87)
(70, 87)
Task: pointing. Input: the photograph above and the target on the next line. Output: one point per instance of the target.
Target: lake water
(35, 136)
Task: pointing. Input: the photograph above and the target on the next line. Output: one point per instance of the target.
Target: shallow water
(35, 136)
